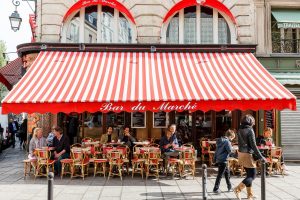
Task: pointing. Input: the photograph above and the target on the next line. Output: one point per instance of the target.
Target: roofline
(36, 47)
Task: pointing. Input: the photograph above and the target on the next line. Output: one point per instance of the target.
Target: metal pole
(204, 181)
(50, 185)
(263, 180)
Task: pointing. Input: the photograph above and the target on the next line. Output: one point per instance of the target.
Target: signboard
(269, 119)
(160, 120)
(138, 120)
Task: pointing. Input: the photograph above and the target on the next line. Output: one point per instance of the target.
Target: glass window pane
(223, 31)
(206, 25)
(203, 123)
(124, 30)
(183, 127)
(173, 30)
(190, 25)
(107, 24)
(90, 24)
(73, 30)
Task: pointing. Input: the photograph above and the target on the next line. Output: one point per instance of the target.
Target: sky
(11, 38)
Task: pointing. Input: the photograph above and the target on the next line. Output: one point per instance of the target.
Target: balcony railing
(286, 46)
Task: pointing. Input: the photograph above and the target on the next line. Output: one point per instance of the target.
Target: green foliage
(2, 50)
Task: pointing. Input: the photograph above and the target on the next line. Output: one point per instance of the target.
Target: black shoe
(218, 191)
(229, 188)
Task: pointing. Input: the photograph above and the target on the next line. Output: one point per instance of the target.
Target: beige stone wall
(262, 21)
(148, 14)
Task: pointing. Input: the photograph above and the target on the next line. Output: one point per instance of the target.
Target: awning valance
(287, 18)
(140, 81)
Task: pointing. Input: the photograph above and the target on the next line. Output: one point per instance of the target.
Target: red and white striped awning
(139, 81)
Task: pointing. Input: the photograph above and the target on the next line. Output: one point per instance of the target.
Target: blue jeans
(57, 164)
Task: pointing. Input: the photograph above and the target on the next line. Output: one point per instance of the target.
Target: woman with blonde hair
(37, 141)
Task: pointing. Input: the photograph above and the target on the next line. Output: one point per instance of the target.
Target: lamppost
(14, 18)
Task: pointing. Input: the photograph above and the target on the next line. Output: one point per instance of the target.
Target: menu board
(138, 119)
(160, 120)
(269, 119)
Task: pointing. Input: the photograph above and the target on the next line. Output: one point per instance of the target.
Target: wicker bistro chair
(115, 163)
(67, 166)
(138, 160)
(188, 162)
(152, 163)
(125, 152)
(80, 163)
(205, 148)
(43, 161)
(274, 161)
(100, 166)
(29, 166)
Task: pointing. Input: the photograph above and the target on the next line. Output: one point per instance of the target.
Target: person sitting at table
(266, 139)
(62, 148)
(50, 137)
(109, 136)
(37, 142)
(167, 144)
(127, 138)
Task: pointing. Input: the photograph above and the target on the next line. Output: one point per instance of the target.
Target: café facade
(99, 63)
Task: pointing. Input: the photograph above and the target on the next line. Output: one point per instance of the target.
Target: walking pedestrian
(224, 148)
(248, 153)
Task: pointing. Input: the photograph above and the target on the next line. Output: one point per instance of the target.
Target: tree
(2, 55)
(3, 89)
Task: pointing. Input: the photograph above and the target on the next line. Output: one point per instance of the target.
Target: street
(14, 186)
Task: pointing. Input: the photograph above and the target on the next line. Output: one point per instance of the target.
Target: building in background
(165, 22)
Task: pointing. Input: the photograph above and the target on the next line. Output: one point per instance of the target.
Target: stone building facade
(251, 23)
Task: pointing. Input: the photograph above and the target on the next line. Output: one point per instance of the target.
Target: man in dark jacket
(223, 150)
(13, 128)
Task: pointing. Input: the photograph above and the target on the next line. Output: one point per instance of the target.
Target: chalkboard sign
(269, 119)
(138, 119)
(160, 120)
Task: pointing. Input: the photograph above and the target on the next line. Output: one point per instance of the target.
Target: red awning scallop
(140, 81)
(111, 3)
(210, 3)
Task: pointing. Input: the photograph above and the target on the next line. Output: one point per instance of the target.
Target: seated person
(62, 147)
(127, 138)
(36, 142)
(109, 136)
(167, 144)
(50, 137)
(266, 139)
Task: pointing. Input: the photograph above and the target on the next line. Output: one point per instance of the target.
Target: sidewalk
(13, 186)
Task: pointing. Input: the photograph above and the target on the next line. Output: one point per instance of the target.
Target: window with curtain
(112, 28)
(190, 25)
(173, 30)
(189, 20)
(206, 23)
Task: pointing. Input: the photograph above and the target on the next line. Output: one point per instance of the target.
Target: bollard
(263, 179)
(204, 181)
(50, 185)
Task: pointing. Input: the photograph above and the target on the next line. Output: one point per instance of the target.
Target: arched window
(199, 25)
(98, 24)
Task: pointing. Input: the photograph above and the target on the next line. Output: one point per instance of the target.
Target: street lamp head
(15, 21)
